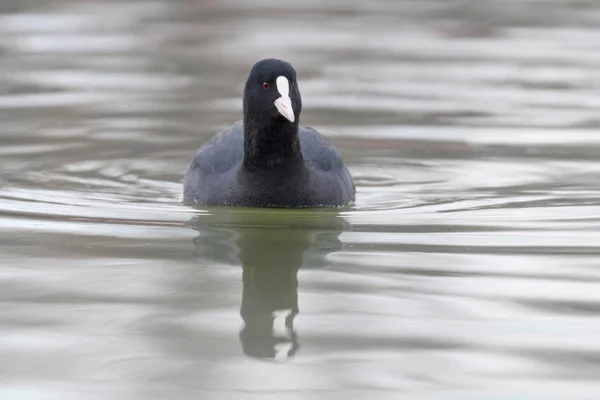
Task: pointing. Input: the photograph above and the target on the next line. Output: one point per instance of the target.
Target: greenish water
(468, 269)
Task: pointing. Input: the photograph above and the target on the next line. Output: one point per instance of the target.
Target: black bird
(268, 160)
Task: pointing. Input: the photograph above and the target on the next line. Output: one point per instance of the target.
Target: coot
(268, 160)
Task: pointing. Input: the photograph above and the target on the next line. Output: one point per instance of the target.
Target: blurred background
(468, 269)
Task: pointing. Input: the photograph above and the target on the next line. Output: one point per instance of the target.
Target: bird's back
(212, 177)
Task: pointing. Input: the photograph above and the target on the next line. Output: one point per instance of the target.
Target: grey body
(217, 175)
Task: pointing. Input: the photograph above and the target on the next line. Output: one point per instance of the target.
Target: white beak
(284, 103)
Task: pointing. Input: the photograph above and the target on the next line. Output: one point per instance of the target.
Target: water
(468, 269)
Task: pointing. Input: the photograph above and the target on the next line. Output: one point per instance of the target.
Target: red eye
(265, 85)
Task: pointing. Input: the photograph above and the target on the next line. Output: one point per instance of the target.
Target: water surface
(468, 269)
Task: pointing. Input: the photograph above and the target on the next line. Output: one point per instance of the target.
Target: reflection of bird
(268, 159)
(272, 246)
(269, 306)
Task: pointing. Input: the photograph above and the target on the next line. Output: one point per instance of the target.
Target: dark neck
(271, 144)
